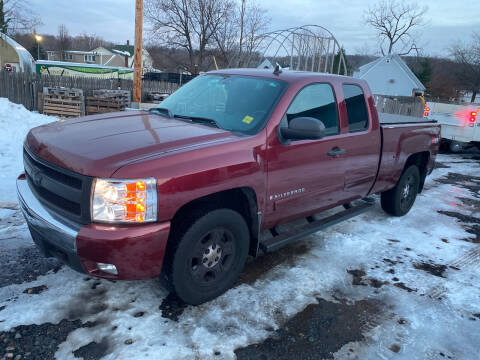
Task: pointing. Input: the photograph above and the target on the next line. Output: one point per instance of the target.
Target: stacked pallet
(157, 96)
(105, 101)
(63, 102)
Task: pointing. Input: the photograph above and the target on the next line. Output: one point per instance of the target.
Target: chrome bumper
(52, 234)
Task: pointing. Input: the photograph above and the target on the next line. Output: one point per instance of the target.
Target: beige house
(118, 56)
(14, 57)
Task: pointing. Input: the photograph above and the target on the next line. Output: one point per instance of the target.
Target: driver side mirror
(303, 128)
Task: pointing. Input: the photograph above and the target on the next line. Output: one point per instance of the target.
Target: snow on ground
(436, 311)
(15, 122)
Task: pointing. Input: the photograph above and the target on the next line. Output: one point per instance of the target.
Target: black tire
(399, 200)
(455, 147)
(208, 256)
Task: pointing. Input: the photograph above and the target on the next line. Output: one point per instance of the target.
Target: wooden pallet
(105, 101)
(63, 102)
(61, 91)
(125, 94)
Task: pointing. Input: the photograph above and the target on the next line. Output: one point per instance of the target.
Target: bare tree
(238, 36)
(64, 40)
(467, 57)
(188, 24)
(86, 42)
(395, 23)
(17, 16)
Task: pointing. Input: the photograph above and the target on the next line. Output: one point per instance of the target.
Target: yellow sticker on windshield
(247, 119)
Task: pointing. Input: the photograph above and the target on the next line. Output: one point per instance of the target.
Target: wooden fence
(23, 88)
(399, 105)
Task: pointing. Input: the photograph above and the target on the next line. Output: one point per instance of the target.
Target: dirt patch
(440, 165)
(316, 333)
(24, 265)
(357, 279)
(93, 350)
(434, 269)
(402, 286)
(86, 303)
(391, 262)
(257, 267)
(172, 307)
(460, 217)
(395, 348)
(36, 341)
(470, 202)
(469, 182)
(467, 221)
(474, 230)
(35, 290)
(357, 276)
(473, 157)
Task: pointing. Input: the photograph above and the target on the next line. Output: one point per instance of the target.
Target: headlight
(117, 201)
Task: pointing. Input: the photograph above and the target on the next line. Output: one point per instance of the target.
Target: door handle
(336, 151)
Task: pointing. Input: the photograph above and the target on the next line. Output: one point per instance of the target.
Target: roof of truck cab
(285, 75)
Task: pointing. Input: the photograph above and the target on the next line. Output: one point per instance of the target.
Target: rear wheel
(455, 147)
(399, 200)
(208, 256)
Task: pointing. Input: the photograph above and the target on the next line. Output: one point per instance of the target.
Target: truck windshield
(235, 103)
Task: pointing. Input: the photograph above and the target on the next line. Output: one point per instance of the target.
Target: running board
(313, 226)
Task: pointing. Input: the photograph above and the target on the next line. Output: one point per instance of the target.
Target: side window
(356, 108)
(317, 101)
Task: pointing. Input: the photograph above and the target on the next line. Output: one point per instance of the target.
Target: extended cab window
(317, 101)
(356, 108)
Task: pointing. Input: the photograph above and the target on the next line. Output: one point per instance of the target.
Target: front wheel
(399, 200)
(209, 256)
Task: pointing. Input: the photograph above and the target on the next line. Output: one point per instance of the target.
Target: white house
(389, 75)
(119, 52)
(266, 64)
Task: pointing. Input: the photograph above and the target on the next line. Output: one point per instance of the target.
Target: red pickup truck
(184, 190)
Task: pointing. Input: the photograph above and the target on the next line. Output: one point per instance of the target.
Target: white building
(389, 75)
(14, 56)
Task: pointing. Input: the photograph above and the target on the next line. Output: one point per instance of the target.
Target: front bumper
(137, 251)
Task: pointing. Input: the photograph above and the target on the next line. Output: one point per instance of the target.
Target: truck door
(363, 143)
(306, 175)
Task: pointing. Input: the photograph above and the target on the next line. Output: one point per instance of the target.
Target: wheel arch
(242, 199)
(420, 160)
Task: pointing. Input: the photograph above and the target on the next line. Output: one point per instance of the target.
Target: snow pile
(15, 122)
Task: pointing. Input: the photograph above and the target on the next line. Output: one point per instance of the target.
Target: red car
(184, 190)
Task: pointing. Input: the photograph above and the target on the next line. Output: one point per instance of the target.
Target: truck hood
(99, 145)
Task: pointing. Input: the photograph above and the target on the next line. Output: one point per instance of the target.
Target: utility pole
(137, 74)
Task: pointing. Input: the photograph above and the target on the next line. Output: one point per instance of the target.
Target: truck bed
(399, 142)
(392, 119)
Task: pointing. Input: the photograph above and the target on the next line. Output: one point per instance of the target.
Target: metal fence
(23, 88)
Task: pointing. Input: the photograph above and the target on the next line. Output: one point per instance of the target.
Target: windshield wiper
(199, 119)
(161, 110)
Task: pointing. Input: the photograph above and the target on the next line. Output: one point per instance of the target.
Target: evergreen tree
(34, 50)
(337, 60)
(424, 71)
(3, 19)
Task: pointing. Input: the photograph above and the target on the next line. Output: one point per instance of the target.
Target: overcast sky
(114, 20)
